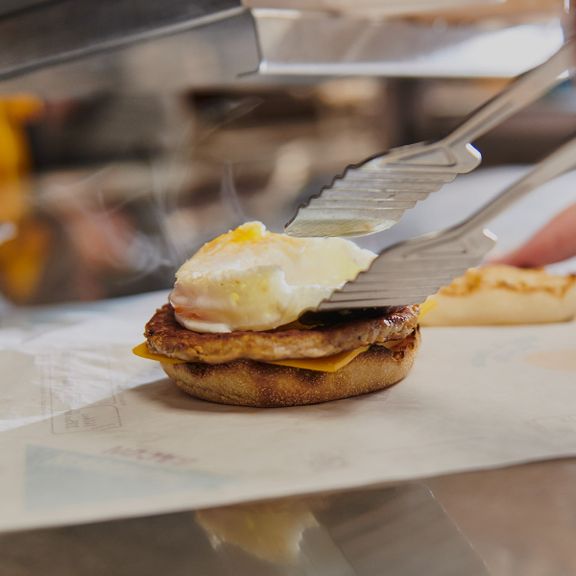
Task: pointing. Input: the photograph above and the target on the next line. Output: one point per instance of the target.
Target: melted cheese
(331, 363)
(142, 351)
(326, 364)
(428, 305)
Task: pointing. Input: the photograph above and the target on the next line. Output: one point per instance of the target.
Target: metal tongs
(373, 196)
(410, 271)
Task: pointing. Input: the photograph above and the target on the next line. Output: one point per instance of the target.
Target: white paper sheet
(89, 431)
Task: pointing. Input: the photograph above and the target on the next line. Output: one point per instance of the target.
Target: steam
(101, 211)
(126, 248)
(229, 196)
(184, 229)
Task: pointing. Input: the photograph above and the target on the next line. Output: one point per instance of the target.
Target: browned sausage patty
(336, 334)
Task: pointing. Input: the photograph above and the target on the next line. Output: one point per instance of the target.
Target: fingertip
(513, 259)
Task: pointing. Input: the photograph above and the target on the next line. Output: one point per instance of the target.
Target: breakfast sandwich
(240, 326)
(501, 294)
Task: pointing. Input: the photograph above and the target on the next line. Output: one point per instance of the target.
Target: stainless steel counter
(507, 522)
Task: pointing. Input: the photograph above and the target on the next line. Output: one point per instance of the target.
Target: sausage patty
(325, 335)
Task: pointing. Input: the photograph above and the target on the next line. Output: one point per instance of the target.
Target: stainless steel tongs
(410, 271)
(373, 196)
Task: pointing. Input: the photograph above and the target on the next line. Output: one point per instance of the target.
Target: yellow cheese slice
(142, 351)
(327, 364)
(426, 306)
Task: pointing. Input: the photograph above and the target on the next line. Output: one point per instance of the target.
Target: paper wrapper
(91, 432)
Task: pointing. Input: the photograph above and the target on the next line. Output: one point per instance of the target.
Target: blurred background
(130, 133)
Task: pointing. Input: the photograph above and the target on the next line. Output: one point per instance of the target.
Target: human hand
(555, 242)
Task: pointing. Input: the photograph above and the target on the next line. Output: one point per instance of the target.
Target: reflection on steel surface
(401, 531)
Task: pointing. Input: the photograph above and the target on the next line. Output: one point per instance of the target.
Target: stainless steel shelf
(311, 44)
(73, 47)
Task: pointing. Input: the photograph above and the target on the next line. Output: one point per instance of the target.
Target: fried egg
(254, 279)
